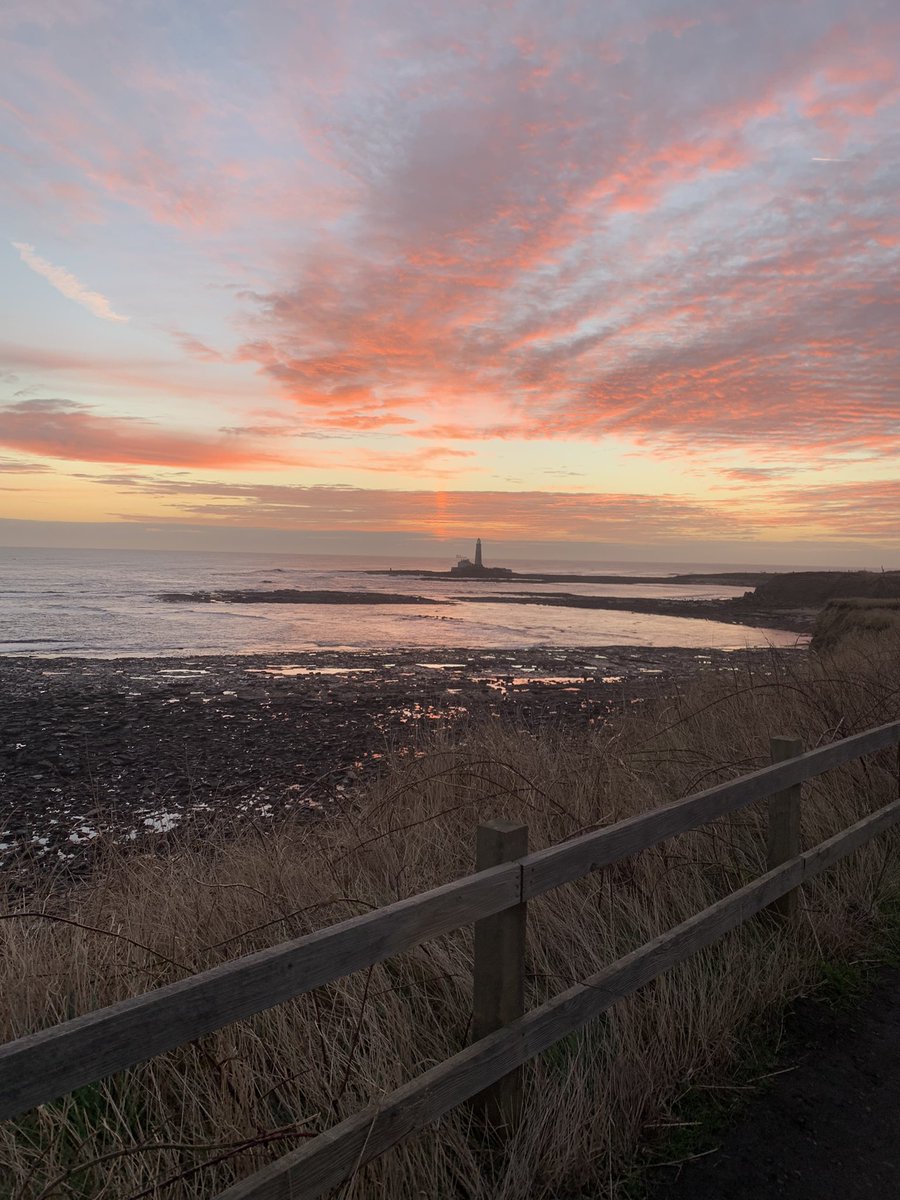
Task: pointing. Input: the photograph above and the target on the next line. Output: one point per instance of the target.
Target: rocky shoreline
(748, 579)
(132, 750)
(738, 611)
(294, 596)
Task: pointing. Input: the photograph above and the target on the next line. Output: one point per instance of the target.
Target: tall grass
(187, 1123)
(843, 619)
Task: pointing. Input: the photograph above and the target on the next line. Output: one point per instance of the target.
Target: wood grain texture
(783, 835)
(570, 860)
(498, 983)
(45, 1065)
(335, 1155)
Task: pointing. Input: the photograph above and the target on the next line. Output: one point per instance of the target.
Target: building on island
(477, 570)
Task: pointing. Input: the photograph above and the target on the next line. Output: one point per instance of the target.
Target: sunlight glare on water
(107, 603)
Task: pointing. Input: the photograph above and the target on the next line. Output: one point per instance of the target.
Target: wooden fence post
(784, 825)
(499, 973)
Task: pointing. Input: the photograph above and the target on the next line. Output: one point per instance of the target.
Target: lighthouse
(477, 570)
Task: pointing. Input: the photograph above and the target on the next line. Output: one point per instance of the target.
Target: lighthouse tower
(477, 570)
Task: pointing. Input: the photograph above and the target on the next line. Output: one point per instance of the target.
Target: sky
(607, 276)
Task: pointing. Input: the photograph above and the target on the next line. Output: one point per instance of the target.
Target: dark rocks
(130, 750)
(296, 596)
(731, 612)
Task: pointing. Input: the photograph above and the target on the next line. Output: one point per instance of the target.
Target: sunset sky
(617, 274)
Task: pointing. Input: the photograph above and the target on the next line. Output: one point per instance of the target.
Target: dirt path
(827, 1130)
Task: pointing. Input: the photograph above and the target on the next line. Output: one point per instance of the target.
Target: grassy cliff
(812, 589)
(851, 619)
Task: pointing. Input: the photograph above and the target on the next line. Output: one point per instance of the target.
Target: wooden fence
(46, 1065)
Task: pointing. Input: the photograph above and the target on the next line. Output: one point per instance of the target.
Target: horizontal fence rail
(570, 860)
(43, 1066)
(335, 1154)
(46, 1065)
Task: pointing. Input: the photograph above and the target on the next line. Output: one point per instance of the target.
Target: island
(467, 569)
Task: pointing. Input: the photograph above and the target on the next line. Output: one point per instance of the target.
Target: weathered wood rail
(43, 1066)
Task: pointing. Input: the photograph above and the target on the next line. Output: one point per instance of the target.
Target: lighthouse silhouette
(477, 570)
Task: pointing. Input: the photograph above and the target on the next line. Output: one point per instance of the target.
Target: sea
(107, 604)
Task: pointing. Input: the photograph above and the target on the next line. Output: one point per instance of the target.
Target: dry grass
(171, 1128)
(853, 618)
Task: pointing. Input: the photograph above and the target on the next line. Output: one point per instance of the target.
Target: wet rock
(252, 736)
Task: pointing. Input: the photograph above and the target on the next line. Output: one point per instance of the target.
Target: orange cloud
(772, 338)
(461, 232)
(858, 511)
(194, 348)
(547, 515)
(67, 430)
(862, 512)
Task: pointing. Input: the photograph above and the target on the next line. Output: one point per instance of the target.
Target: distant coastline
(740, 611)
(723, 578)
(104, 604)
(294, 596)
(788, 602)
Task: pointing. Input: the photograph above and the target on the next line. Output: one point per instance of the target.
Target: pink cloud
(463, 230)
(489, 270)
(67, 430)
(194, 348)
(859, 512)
(862, 511)
(66, 283)
(580, 517)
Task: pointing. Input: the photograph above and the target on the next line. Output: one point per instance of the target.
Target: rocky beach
(133, 750)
